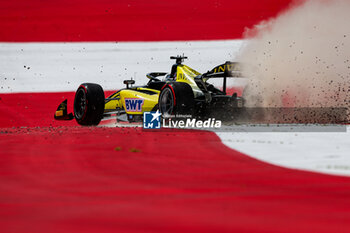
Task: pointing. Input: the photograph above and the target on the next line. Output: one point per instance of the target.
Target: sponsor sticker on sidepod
(133, 104)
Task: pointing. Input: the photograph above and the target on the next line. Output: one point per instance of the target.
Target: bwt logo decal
(133, 105)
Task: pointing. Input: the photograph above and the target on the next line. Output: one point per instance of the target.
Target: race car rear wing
(226, 70)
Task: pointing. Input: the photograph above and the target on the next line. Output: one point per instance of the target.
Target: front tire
(89, 103)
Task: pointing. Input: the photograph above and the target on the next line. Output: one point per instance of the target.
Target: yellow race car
(182, 92)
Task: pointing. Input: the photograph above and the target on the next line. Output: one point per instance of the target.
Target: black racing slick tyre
(89, 104)
(176, 98)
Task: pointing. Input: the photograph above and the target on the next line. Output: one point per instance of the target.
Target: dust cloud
(301, 58)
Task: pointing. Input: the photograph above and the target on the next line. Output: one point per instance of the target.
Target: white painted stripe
(50, 67)
(320, 152)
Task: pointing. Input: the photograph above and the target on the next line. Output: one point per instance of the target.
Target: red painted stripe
(139, 20)
(34, 109)
(88, 179)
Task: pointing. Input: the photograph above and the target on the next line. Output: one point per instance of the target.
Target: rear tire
(89, 104)
(176, 98)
